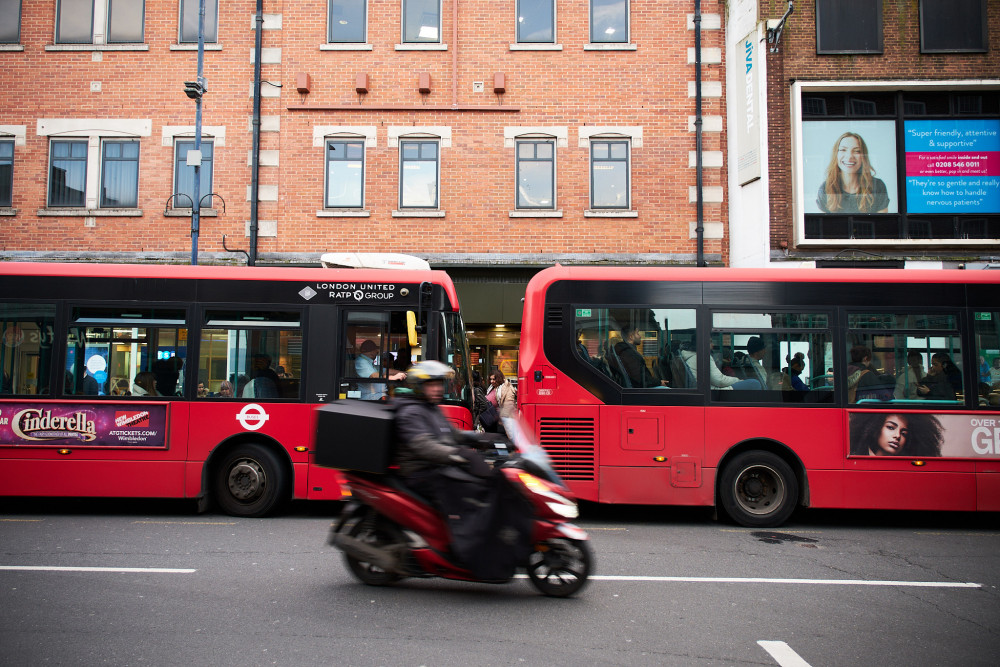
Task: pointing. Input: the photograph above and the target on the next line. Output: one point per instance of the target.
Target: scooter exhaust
(366, 552)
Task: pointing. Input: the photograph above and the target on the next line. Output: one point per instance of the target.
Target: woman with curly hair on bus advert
(850, 185)
(889, 434)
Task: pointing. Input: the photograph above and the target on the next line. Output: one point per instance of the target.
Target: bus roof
(199, 272)
(719, 274)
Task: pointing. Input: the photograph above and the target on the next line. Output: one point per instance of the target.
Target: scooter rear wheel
(559, 568)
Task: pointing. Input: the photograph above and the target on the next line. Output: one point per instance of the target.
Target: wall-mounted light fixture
(424, 83)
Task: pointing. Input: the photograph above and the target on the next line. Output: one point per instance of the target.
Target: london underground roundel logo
(252, 416)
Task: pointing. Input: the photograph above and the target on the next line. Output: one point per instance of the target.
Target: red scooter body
(387, 532)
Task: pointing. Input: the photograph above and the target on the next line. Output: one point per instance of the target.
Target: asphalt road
(154, 583)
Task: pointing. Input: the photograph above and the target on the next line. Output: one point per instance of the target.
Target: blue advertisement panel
(952, 166)
(75, 425)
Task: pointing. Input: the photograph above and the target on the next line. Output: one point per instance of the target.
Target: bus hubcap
(246, 480)
(759, 490)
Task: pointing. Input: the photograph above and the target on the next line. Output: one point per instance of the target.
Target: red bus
(200, 381)
(763, 390)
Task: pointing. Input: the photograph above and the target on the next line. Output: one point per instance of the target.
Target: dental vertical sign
(953, 166)
(748, 111)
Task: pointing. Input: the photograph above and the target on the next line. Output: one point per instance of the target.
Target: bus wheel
(250, 482)
(758, 489)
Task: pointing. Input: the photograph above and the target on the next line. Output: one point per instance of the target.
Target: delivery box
(355, 435)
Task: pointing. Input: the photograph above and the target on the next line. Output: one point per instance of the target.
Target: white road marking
(141, 570)
(764, 580)
(783, 654)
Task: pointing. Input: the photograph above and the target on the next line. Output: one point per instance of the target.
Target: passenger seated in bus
(364, 367)
(792, 380)
(716, 378)
(167, 372)
(935, 385)
(144, 384)
(756, 349)
(864, 382)
(119, 387)
(633, 363)
(225, 389)
(264, 381)
(908, 380)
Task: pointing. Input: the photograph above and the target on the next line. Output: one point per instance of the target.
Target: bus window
(904, 358)
(638, 348)
(26, 348)
(774, 357)
(137, 352)
(250, 354)
(987, 337)
(376, 350)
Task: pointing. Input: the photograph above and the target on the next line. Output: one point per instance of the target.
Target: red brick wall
(572, 87)
(901, 60)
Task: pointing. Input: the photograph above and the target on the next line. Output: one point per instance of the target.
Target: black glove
(472, 461)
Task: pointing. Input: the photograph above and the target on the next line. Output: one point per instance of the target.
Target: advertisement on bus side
(76, 425)
(923, 435)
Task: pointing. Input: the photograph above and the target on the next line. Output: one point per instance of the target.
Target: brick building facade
(898, 73)
(489, 143)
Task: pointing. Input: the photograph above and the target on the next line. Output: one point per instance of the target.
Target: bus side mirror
(411, 328)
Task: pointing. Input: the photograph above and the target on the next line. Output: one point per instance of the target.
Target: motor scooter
(387, 532)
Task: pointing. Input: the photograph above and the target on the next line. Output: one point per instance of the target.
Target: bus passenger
(907, 382)
(792, 380)
(225, 389)
(717, 379)
(756, 349)
(632, 361)
(936, 385)
(144, 384)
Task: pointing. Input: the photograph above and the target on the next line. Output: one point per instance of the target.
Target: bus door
(652, 437)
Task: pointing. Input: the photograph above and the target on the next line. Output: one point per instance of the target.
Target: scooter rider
(489, 527)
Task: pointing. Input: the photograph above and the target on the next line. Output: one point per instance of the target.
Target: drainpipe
(255, 150)
(699, 181)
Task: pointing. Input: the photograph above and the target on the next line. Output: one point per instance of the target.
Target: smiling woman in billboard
(850, 185)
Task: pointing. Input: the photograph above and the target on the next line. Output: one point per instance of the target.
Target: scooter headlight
(557, 503)
(565, 509)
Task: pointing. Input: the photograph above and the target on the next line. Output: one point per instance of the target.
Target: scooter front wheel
(560, 567)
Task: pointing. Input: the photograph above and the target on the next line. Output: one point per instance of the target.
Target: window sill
(90, 212)
(194, 47)
(421, 47)
(11, 47)
(7, 210)
(419, 213)
(97, 47)
(610, 47)
(535, 214)
(343, 213)
(609, 213)
(345, 46)
(533, 46)
(186, 213)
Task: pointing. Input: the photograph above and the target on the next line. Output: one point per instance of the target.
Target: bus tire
(758, 489)
(250, 481)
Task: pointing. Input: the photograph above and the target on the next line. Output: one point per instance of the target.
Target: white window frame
(99, 32)
(434, 45)
(92, 130)
(624, 45)
(632, 134)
